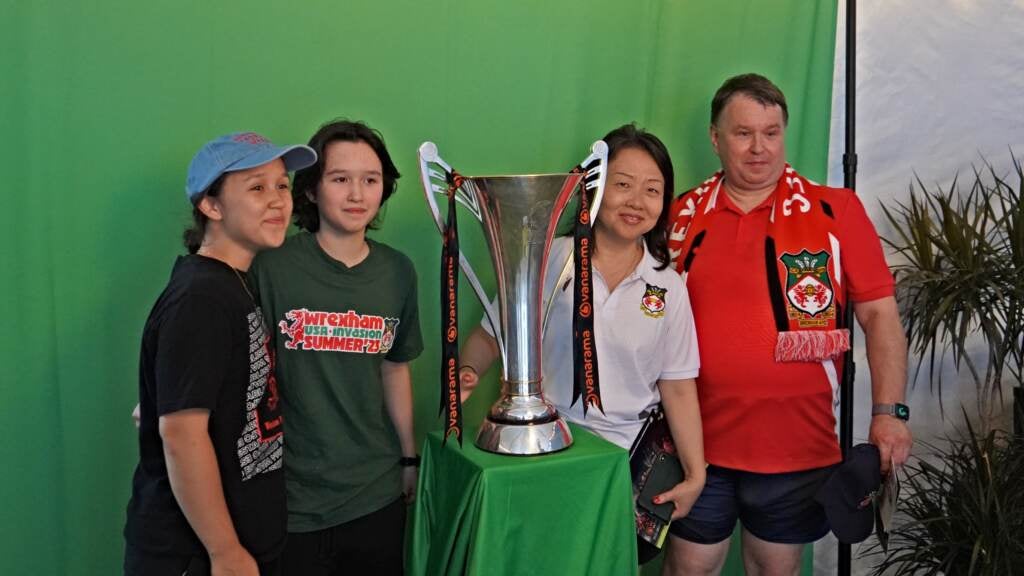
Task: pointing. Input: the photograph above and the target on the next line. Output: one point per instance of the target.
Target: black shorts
(776, 508)
(371, 544)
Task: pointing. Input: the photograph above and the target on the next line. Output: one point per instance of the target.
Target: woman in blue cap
(208, 492)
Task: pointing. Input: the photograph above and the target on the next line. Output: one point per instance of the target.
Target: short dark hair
(752, 85)
(629, 136)
(196, 231)
(307, 180)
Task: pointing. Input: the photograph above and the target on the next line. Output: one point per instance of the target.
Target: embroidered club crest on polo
(653, 301)
(809, 292)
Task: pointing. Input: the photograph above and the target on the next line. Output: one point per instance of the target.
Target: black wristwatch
(901, 411)
(409, 460)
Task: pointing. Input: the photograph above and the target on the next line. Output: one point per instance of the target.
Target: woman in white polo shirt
(644, 327)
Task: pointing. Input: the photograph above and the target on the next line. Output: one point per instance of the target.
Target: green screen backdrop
(103, 103)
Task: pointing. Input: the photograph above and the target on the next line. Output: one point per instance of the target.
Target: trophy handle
(432, 184)
(596, 174)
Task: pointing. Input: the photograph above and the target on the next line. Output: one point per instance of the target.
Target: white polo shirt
(644, 333)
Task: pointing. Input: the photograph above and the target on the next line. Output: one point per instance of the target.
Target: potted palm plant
(960, 285)
(962, 509)
(961, 280)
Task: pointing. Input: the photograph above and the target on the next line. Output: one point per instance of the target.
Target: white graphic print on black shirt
(261, 445)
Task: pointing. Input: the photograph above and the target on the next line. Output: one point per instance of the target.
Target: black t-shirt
(205, 346)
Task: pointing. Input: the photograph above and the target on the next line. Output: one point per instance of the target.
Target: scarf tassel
(811, 345)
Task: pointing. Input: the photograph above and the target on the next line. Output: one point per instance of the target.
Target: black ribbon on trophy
(451, 388)
(585, 380)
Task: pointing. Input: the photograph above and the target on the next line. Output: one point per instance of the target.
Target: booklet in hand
(885, 505)
(655, 468)
(665, 474)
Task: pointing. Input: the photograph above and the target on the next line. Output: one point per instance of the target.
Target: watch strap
(901, 411)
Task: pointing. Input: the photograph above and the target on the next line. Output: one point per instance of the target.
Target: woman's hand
(468, 379)
(235, 561)
(476, 357)
(682, 496)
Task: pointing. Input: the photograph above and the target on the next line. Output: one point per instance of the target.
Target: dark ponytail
(194, 234)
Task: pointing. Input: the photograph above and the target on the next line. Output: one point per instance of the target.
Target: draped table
(566, 513)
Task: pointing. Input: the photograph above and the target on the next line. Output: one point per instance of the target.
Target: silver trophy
(519, 215)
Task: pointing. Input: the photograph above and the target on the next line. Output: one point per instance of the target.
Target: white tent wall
(939, 87)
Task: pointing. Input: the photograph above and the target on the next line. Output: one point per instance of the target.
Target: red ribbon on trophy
(451, 388)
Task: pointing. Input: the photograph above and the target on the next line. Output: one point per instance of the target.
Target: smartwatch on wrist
(406, 461)
(897, 410)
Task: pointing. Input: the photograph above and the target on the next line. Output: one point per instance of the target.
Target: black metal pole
(849, 181)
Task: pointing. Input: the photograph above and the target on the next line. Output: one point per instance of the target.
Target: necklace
(615, 271)
(245, 286)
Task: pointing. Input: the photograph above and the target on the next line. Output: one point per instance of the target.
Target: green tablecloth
(569, 513)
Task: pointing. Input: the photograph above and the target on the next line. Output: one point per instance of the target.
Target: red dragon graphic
(295, 330)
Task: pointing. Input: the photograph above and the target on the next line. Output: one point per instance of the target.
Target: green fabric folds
(479, 513)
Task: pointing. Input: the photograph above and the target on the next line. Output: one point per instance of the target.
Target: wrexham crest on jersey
(388, 338)
(653, 302)
(808, 288)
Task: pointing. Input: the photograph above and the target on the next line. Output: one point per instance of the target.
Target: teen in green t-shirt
(344, 308)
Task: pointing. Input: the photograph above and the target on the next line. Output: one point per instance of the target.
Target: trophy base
(524, 439)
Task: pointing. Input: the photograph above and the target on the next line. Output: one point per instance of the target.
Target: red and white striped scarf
(802, 258)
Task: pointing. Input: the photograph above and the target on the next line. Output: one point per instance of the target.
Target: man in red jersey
(771, 260)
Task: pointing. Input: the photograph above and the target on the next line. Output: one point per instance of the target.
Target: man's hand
(234, 561)
(893, 439)
(682, 495)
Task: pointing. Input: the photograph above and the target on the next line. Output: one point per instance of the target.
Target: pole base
(1018, 410)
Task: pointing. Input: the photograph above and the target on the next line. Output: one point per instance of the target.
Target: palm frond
(962, 510)
(960, 277)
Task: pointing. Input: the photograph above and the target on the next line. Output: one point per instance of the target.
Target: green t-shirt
(333, 326)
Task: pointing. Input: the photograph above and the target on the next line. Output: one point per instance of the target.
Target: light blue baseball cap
(240, 151)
